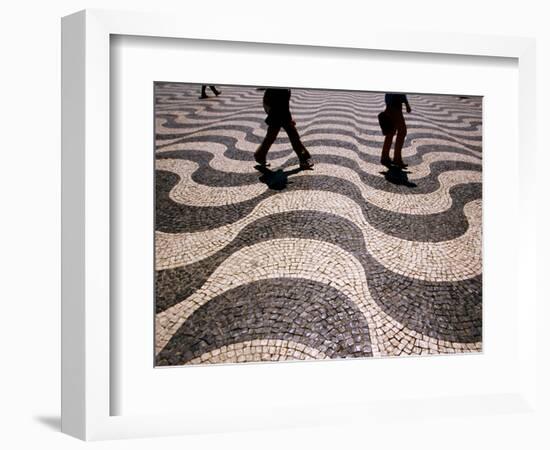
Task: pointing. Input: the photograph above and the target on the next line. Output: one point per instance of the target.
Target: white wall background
(30, 196)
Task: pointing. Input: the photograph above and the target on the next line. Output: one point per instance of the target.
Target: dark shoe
(400, 164)
(203, 96)
(386, 162)
(306, 164)
(216, 93)
(260, 161)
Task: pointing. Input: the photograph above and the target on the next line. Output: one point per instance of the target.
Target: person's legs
(385, 159)
(203, 91)
(215, 91)
(296, 142)
(260, 154)
(399, 140)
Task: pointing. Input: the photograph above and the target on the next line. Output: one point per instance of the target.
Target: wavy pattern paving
(347, 260)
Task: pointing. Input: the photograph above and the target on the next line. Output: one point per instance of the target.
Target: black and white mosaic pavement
(349, 259)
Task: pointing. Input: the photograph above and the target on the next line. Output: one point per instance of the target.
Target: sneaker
(306, 164)
(400, 164)
(260, 162)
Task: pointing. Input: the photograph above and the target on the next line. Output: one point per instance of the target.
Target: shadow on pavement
(276, 180)
(397, 176)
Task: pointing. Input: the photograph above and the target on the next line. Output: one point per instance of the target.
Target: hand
(293, 123)
(408, 108)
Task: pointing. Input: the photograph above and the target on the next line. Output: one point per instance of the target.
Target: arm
(288, 108)
(407, 104)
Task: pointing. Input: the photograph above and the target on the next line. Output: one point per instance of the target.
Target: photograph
(298, 223)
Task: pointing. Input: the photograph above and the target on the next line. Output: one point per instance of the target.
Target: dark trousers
(293, 136)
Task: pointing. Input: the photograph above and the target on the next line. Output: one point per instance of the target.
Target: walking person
(212, 88)
(277, 107)
(392, 122)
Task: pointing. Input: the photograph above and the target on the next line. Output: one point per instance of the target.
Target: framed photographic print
(235, 203)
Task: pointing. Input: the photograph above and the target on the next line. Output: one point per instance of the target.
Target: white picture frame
(86, 284)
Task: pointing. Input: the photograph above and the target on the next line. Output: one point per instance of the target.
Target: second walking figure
(277, 107)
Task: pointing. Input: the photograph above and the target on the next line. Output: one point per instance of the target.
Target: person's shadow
(276, 180)
(397, 176)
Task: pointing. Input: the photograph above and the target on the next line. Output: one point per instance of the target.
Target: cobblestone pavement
(349, 259)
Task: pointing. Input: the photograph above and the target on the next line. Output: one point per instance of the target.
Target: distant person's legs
(260, 154)
(212, 88)
(215, 91)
